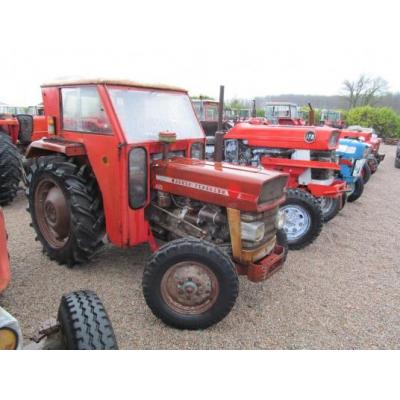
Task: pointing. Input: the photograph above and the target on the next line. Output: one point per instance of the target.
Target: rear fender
(45, 147)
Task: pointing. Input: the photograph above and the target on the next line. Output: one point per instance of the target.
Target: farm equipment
(82, 322)
(352, 159)
(16, 132)
(332, 118)
(368, 136)
(283, 113)
(397, 156)
(307, 154)
(114, 166)
(207, 113)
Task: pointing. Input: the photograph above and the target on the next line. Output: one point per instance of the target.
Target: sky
(254, 48)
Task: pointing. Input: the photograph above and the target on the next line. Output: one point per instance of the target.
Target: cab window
(82, 111)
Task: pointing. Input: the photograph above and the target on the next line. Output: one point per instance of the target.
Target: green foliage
(260, 113)
(383, 119)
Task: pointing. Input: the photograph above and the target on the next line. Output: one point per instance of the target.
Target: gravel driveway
(342, 292)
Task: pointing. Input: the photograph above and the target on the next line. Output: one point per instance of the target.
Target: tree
(202, 97)
(383, 119)
(364, 91)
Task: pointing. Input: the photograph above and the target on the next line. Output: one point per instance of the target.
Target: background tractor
(307, 154)
(116, 167)
(82, 322)
(16, 132)
(332, 118)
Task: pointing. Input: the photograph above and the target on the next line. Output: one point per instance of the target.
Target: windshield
(284, 110)
(144, 114)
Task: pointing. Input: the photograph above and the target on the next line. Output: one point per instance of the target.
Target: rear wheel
(330, 207)
(357, 189)
(66, 209)
(397, 162)
(373, 164)
(190, 284)
(303, 218)
(10, 170)
(84, 322)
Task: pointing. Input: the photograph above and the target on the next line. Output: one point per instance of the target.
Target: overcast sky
(254, 48)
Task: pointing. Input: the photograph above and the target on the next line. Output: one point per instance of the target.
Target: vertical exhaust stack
(311, 115)
(254, 109)
(219, 135)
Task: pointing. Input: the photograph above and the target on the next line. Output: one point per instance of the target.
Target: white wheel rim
(297, 221)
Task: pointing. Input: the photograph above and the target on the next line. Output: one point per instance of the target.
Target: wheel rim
(52, 213)
(297, 221)
(327, 203)
(189, 287)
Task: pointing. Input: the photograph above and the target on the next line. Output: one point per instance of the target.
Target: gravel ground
(342, 292)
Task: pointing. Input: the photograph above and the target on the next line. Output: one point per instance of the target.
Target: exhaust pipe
(311, 115)
(219, 135)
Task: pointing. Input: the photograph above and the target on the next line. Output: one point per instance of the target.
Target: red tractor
(82, 322)
(368, 136)
(307, 154)
(115, 167)
(16, 133)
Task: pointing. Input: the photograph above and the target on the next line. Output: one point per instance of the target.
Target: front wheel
(357, 189)
(190, 284)
(330, 207)
(303, 218)
(366, 173)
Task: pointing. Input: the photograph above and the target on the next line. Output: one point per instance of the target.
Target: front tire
(10, 170)
(366, 173)
(66, 209)
(190, 284)
(357, 190)
(84, 322)
(303, 218)
(330, 207)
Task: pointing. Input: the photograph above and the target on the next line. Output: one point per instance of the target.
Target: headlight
(273, 189)
(231, 150)
(137, 177)
(8, 339)
(197, 151)
(252, 231)
(280, 220)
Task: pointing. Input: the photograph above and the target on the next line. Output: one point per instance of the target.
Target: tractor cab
(283, 113)
(332, 118)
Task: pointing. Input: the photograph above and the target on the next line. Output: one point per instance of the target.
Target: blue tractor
(352, 158)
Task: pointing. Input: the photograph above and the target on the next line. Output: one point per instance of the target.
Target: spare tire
(84, 322)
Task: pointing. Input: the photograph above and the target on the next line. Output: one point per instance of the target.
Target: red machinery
(368, 136)
(307, 154)
(142, 175)
(16, 132)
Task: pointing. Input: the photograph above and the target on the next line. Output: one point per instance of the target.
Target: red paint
(5, 273)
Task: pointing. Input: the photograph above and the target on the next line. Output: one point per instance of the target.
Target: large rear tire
(303, 218)
(190, 284)
(357, 190)
(84, 322)
(66, 209)
(10, 170)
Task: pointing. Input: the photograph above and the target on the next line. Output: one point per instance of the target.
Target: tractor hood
(287, 137)
(350, 148)
(345, 133)
(223, 184)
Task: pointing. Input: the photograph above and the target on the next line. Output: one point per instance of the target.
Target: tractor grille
(268, 217)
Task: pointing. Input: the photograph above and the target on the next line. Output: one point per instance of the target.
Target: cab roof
(117, 82)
